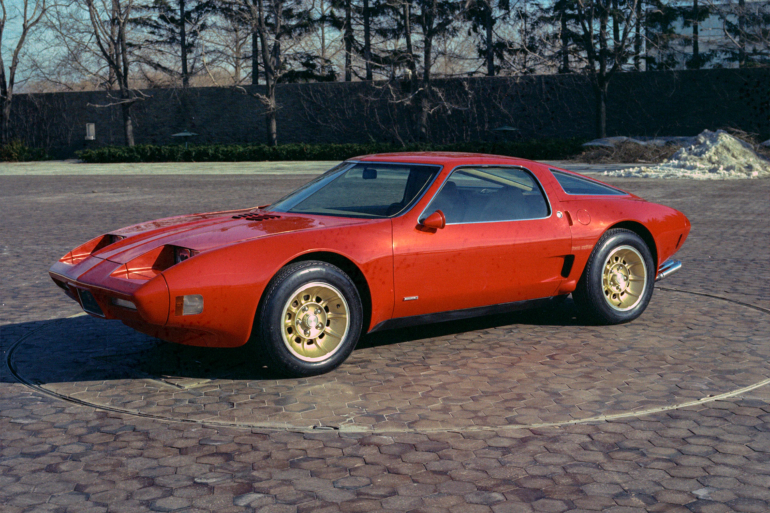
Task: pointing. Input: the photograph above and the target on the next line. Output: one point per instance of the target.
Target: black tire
(272, 342)
(595, 295)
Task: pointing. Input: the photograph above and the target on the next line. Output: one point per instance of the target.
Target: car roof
(443, 158)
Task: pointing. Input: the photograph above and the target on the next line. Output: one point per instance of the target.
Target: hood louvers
(253, 216)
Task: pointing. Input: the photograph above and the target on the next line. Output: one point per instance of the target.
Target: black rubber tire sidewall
(270, 317)
(589, 296)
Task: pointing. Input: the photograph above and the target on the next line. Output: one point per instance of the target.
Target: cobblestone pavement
(440, 418)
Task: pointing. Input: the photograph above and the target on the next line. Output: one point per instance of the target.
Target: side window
(580, 186)
(482, 195)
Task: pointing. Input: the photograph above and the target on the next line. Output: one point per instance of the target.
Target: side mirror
(436, 221)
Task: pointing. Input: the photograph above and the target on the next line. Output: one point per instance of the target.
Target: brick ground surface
(449, 407)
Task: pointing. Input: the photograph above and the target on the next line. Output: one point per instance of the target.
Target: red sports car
(378, 242)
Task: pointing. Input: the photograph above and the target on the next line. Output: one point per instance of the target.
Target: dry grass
(752, 139)
(627, 153)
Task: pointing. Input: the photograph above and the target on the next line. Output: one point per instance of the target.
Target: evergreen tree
(173, 30)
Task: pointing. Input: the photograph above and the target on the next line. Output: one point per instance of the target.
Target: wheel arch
(642, 231)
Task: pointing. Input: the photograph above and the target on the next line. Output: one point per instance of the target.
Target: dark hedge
(535, 150)
(17, 151)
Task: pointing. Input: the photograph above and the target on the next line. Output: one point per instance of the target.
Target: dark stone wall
(548, 106)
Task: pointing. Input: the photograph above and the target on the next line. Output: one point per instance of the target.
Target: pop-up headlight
(83, 251)
(182, 254)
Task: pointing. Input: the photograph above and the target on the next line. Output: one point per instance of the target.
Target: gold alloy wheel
(316, 319)
(624, 278)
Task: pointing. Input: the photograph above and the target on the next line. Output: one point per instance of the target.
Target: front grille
(253, 216)
(89, 304)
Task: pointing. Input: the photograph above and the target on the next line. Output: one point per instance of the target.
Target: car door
(502, 243)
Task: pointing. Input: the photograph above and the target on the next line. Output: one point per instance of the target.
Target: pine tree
(173, 30)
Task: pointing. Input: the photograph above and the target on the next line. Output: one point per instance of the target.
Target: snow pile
(712, 156)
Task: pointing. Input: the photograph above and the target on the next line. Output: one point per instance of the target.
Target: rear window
(580, 186)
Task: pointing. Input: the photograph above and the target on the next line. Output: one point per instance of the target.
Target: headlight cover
(83, 251)
(182, 254)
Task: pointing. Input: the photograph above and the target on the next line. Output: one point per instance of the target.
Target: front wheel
(618, 280)
(310, 319)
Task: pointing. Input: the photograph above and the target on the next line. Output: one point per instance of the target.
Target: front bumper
(668, 268)
(96, 284)
(93, 286)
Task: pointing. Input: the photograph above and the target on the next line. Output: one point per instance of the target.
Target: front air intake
(253, 216)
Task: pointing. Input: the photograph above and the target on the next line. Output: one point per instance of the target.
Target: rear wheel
(618, 280)
(310, 319)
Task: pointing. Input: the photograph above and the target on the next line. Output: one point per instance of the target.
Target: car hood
(202, 232)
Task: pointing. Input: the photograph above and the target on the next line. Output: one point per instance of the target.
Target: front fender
(233, 279)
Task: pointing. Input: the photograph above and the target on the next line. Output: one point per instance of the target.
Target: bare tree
(225, 51)
(31, 14)
(109, 22)
(605, 54)
(275, 22)
(746, 31)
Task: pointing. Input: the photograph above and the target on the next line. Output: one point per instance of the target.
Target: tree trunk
(254, 57)
(6, 96)
(489, 22)
(615, 22)
(271, 78)
(5, 120)
(408, 38)
(601, 78)
(695, 42)
(183, 43)
(348, 41)
(742, 33)
(601, 109)
(367, 40)
(426, 88)
(128, 124)
(271, 121)
(638, 37)
(237, 59)
(564, 44)
(272, 125)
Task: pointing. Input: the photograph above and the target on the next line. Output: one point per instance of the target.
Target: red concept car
(378, 242)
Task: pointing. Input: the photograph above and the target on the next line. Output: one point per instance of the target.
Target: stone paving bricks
(517, 380)
(439, 398)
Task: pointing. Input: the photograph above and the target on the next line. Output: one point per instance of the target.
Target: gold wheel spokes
(316, 320)
(621, 287)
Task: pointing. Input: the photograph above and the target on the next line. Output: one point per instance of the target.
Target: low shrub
(627, 153)
(17, 151)
(543, 149)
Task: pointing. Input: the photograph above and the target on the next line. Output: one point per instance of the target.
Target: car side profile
(377, 242)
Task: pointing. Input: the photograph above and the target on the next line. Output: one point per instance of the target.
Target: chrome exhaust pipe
(668, 268)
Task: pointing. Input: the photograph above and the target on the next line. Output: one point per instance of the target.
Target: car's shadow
(557, 314)
(87, 349)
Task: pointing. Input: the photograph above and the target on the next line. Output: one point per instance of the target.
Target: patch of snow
(712, 156)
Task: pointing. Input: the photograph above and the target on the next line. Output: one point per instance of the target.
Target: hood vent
(254, 216)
